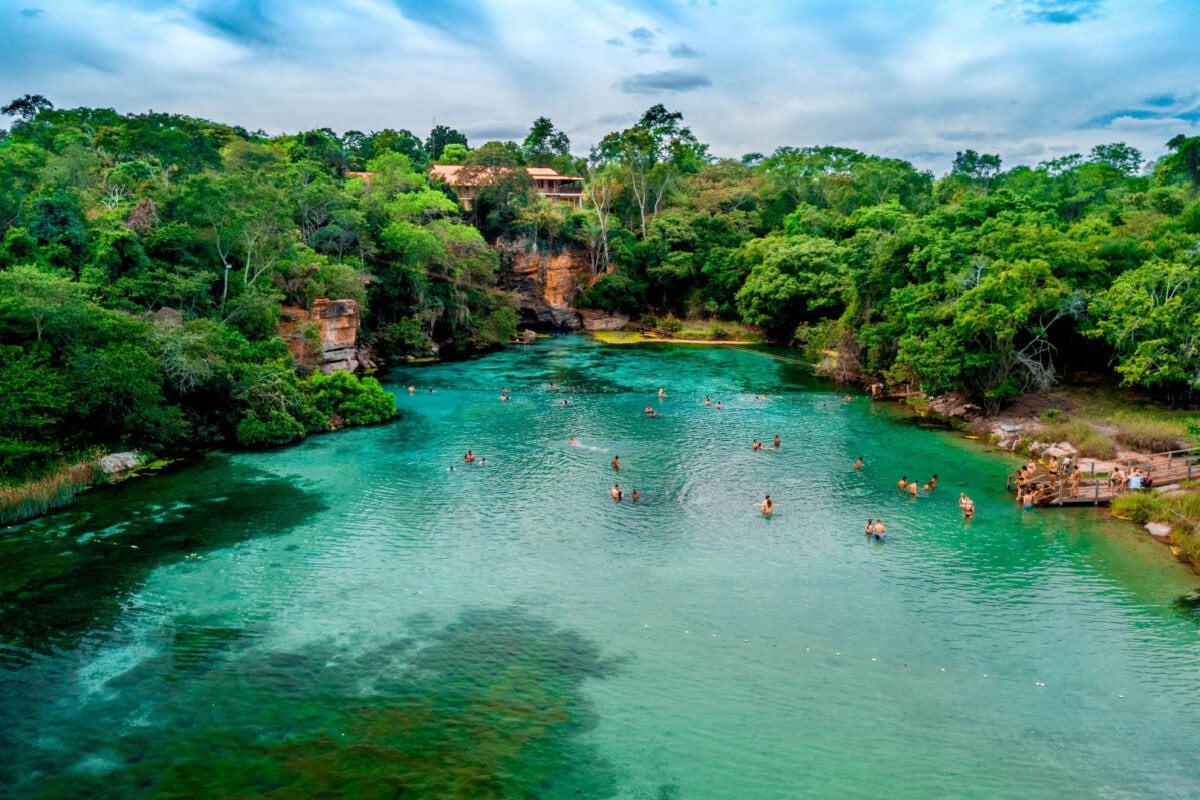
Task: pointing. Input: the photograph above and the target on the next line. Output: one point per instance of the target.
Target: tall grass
(1090, 442)
(1154, 435)
(38, 496)
(1180, 511)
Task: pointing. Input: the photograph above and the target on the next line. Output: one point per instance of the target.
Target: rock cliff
(325, 337)
(546, 284)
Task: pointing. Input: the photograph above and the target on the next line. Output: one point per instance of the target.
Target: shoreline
(1013, 431)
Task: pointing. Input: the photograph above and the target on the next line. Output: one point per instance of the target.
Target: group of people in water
(905, 485)
(875, 527)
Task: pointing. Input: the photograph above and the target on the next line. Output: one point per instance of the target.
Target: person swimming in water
(879, 530)
(870, 526)
(616, 462)
(573, 440)
(718, 405)
(903, 484)
(777, 441)
(412, 390)
(469, 457)
(756, 445)
(636, 495)
(931, 484)
(858, 464)
(616, 492)
(767, 506)
(912, 490)
(649, 411)
(662, 392)
(967, 505)
(707, 400)
(503, 398)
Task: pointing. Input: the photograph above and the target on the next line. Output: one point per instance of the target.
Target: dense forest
(145, 258)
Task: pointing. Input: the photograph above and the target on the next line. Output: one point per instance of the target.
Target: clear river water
(351, 618)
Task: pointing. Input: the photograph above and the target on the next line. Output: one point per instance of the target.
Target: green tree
(439, 138)
(544, 144)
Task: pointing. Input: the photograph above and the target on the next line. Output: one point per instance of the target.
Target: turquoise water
(350, 618)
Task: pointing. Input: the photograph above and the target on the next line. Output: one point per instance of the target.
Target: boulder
(116, 463)
(953, 406)
(602, 321)
(1159, 530)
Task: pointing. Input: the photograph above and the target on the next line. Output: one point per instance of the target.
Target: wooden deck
(1090, 486)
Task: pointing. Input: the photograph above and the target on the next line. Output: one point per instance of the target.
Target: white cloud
(1022, 78)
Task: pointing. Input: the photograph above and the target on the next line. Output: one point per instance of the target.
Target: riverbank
(1104, 429)
(60, 488)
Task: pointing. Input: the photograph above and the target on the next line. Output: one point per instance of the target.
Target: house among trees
(466, 180)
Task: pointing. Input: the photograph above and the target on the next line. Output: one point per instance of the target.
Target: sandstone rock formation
(337, 323)
(546, 284)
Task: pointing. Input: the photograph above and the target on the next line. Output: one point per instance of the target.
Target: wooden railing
(1074, 488)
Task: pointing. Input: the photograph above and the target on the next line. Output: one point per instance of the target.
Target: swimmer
(858, 464)
(483, 461)
(616, 492)
(636, 495)
(903, 484)
(573, 441)
(662, 392)
(847, 398)
(776, 441)
(967, 505)
(412, 390)
(451, 469)
(870, 526)
(767, 506)
(503, 398)
(564, 402)
(880, 530)
(756, 445)
(718, 405)
(707, 400)
(506, 390)
(551, 384)
(469, 457)
(931, 484)
(616, 462)
(649, 411)
(431, 390)
(912, 490)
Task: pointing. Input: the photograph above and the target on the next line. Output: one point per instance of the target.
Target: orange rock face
(338, 322)
(547, 285)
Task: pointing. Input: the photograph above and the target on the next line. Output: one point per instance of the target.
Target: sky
(1030, 80)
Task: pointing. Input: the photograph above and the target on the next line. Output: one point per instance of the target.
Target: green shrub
(1053, 415)
(279, 428)
(342, 398)
(1137, 506)
(719, 333)
(1188, 542)
(650, 321)
(671, 324)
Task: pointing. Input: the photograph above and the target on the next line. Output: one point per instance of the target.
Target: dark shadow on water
(67, 574)
(490, 706)
(1189, 606)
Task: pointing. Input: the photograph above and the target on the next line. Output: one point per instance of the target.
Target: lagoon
(349, 617)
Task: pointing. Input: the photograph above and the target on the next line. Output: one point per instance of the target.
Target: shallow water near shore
(349, 617)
